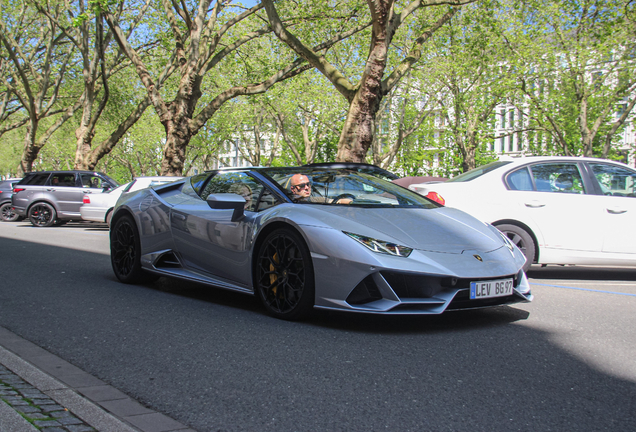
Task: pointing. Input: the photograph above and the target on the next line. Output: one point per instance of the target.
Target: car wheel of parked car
(522, 239)
(125, 252)
(7, 214)
(285, 276)
(109, 217)
(42, 214)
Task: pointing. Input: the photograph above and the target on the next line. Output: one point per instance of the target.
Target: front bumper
(390, 292)
(349, 278)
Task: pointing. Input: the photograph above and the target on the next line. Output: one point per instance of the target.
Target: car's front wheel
(522, 239)
(125, 252)
(7, 214)
(285, 276)
(42, 214)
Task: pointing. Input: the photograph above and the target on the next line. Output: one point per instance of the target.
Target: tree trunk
(468, 155)
(91, 159)
(357, 133)
(31, 150)
(176, 122)
(177, 140)
(84, 135)
(359, 127)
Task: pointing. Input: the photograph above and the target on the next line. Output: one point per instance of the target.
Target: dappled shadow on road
(449, 321)
(405, 324)
(213, 359)
(205, 293)
(583, 273)
(85, 225)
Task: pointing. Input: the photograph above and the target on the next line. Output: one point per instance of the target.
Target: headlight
(381, 246)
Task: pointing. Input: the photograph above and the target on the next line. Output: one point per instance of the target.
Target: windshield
(343, 186)
(478, 172)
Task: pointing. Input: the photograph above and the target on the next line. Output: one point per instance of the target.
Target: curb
(97, 404)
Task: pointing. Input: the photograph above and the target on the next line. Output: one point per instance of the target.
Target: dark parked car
(6, 190)
(55, 197)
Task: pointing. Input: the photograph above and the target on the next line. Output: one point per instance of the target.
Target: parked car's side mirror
(228, 201)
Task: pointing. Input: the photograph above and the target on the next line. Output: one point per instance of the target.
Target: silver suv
(6, 190)
(54, 197)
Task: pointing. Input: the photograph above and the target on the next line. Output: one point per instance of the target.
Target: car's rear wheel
(125, 252)
(42, 214)
(7, 214)
(522, 239)
(285, 276)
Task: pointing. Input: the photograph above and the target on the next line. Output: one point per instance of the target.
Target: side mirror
(228, 201)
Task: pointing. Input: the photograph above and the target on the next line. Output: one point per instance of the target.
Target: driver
(301, 188)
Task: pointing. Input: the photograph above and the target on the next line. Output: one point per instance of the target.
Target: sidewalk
(59, 397)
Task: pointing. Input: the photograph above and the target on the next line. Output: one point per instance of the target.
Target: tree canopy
(418, 87)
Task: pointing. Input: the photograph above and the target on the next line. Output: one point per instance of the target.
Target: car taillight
(16, 190)
(86, 199)
(436, 197)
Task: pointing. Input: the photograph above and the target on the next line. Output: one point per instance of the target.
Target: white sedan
(557, 210)
(99, 207)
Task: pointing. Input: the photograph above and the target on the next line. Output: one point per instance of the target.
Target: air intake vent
(168, 260)
(365, 292)
(413, 286)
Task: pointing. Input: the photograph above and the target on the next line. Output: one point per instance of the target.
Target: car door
(65, 193)
(209, 240)
(35, 185)
(618, 204)
(560, 207)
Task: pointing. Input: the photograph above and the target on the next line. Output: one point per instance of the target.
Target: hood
(443, 229)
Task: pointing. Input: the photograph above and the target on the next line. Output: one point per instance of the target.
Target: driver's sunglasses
(302, 185)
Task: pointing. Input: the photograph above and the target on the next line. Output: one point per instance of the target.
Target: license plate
(489, 289)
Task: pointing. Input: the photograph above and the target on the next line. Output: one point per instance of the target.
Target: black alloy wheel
(285, 276)
(7, 214)
(42, 214)
(125, 252)
(522, 239)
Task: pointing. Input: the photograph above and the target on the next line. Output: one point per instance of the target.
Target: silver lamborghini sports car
(303, 238)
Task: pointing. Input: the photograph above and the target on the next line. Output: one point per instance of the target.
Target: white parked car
(99, 207)
(557, 210)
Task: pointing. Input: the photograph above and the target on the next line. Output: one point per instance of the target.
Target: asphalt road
(215, 361)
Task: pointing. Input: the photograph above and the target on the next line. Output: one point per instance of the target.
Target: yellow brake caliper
(273, 277)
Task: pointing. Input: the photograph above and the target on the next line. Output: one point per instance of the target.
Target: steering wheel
(341, 196)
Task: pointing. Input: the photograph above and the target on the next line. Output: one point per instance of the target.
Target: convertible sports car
(357, 243)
